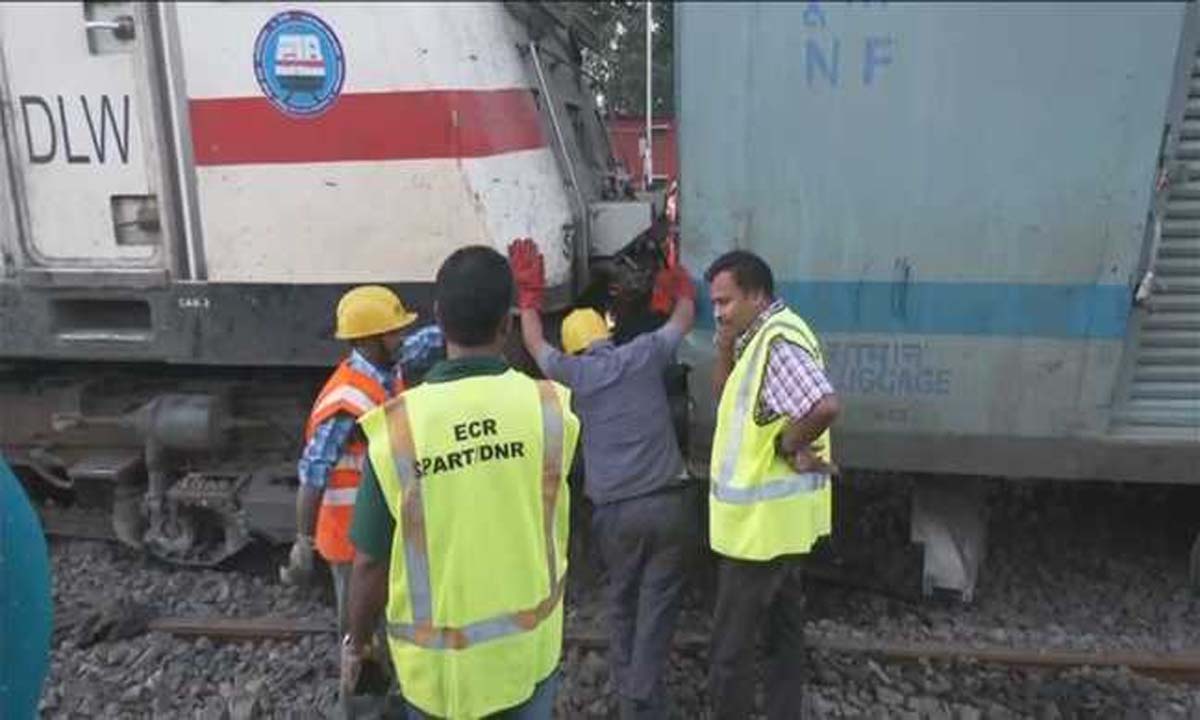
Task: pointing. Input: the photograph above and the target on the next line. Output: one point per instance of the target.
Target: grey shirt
(629, 445)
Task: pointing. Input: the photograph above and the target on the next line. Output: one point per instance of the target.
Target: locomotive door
(80, 140)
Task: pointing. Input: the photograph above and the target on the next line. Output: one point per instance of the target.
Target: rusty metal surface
(1169, 666)
(1179, 666)
(249, 628)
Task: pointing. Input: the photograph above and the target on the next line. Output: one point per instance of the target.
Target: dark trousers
(754, 596)
(647, 545)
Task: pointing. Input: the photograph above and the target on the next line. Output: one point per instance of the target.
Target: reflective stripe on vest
(773, 489)
(335, 497)
(344, 477)
(356, 462)
(421, 631)
(348, 394)
(776, 488)
(351, 392)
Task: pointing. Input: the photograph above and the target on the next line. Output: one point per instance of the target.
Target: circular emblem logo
(299, 63)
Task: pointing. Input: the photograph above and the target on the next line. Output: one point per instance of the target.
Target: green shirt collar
(459, 368)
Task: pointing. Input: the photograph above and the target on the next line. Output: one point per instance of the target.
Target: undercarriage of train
(187, 464)
(190, 464)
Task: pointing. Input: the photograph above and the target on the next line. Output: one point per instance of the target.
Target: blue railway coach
(989, 212)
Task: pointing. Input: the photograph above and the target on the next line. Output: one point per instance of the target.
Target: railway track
(1078, 619)
(1175, 666)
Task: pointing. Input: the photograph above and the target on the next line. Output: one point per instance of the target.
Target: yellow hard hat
(582, 328)
(370, 310)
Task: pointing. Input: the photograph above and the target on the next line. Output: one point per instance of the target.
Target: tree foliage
(619, 65)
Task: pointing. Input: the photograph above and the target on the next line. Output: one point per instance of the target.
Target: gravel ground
(1080, 566)
(1075, 567)
(157, 675)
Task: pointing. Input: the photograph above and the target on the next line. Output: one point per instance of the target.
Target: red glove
(684, 287)
(671, 284)
(529, 273)
(662, 299)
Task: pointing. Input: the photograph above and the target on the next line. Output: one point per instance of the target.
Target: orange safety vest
(354, 393)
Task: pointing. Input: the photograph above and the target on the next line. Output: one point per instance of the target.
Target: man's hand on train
(529, 273)
(670, 285)
(684, 287)
(662, 298)
(299, 569)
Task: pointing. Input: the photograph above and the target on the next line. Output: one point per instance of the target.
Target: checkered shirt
(794, 382)
(422, 349)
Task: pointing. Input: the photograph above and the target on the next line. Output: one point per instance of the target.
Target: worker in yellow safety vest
(461, 521)
(770, 497)
(372, 320)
